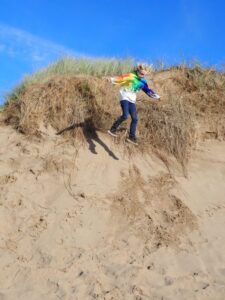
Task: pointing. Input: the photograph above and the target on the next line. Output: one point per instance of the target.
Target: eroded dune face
(85, 216)
(91, 222)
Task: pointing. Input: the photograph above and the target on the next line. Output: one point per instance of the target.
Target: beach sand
(81, 224)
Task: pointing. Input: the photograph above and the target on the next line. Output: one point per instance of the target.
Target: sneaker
(132, 140)
(112, 132)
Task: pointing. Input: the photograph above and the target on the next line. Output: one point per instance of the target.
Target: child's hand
(155, 96)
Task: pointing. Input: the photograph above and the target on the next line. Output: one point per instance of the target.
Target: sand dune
(82, 224)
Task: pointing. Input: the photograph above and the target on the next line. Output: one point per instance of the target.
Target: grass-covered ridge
(73, 66)
(75, 92)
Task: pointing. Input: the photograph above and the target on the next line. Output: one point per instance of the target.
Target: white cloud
(17, 43)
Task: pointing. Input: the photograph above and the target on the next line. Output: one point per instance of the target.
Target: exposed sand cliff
(79, 225)
(86, 216)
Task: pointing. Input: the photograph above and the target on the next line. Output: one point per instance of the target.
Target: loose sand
(81, 224)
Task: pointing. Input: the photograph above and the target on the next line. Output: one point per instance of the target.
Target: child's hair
(142, 67)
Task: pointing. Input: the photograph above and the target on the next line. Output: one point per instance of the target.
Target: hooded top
(131, 83)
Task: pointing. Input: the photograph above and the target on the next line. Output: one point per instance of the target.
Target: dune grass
(171, 127)
(90, 103)
(72, 66)
(74, 91)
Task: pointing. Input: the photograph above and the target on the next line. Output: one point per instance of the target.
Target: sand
(93, 223)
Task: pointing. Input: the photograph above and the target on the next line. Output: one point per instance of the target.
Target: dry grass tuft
(205, 91)
(61, 102)
(169, 127)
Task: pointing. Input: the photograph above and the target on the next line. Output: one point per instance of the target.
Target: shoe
(112, 132)
(132, 140)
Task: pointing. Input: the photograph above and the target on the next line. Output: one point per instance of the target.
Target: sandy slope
(79, 223)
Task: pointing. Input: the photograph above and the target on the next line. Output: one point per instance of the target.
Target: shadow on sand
(90, 135)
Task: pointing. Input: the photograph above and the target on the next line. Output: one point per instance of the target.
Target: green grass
(73, 66)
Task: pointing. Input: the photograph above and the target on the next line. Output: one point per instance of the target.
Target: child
(131, 83)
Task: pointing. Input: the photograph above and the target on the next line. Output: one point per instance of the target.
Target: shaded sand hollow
(93, 223)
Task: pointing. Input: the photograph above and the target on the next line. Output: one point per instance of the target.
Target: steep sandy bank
(92, 223)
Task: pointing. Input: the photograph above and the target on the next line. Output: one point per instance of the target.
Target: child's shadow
(90, 135)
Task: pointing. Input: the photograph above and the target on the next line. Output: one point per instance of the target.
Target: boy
(131, 83)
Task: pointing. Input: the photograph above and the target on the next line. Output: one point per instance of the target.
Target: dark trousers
(127, 108)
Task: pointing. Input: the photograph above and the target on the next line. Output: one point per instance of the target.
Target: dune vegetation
(74, 93)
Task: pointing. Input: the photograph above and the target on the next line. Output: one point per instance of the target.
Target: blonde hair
(142, 67)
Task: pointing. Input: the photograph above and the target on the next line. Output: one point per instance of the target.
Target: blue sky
(34, 33)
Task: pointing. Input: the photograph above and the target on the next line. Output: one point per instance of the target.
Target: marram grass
(73, 66)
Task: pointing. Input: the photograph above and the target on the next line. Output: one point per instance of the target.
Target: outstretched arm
(150, 92)
(122, 79)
